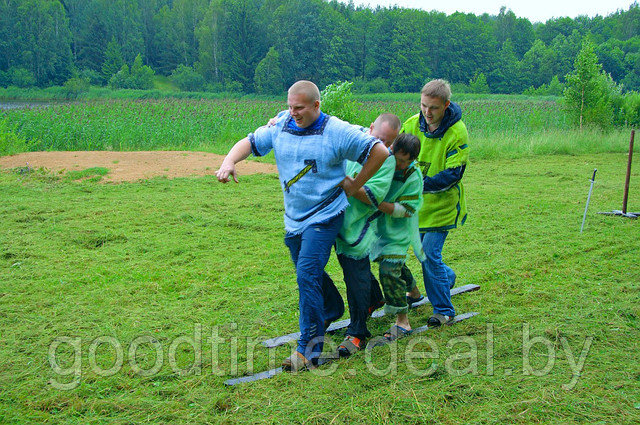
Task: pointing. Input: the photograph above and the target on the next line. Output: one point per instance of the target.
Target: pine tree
(121, 79)
(141, 75)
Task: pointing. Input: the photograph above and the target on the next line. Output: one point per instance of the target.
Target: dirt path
(132, 166)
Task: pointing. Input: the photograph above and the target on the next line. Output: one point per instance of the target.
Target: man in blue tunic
(311, 149)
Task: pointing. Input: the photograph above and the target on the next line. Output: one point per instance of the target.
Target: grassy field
(500, 126)
(191, 273)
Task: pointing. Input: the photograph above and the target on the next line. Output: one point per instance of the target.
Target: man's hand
(226, 170)
(348, 185)
(272, 122)
(238, 152)
(393, 209)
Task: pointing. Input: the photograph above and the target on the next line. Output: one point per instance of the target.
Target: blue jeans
(310, 252)
(438, 277)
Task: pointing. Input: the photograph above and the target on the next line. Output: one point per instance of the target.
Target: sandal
(396, 332)
(296, 362)
(438, 320)
(350, 345)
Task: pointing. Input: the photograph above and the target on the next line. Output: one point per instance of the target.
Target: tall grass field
(500, 126)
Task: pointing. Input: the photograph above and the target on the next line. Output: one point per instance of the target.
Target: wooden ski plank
(281, 340)
(328, 359)
(381, 341)
(272, 372)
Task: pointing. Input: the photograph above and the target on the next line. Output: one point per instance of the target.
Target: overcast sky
(534, 10)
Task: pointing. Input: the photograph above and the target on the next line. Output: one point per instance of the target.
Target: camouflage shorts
(396, 280)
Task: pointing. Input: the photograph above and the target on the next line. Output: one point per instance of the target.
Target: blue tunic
(311, 163)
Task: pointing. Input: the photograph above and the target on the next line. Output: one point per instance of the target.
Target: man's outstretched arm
(379, 153)
(238, 152)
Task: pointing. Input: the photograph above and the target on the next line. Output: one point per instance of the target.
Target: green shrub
(187, 79)
(121, 79)
(21, 77)
(460, 88)
(338, 100)
(554, 88)
(139, 77)
(233, 86)
(76, 86)
(591, 93)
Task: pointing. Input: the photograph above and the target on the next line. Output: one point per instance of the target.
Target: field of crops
(499, 126)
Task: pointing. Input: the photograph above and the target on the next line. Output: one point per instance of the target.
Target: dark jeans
(375, 297)
(357, 277)
(310, 252)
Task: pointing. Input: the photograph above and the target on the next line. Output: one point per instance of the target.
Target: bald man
(311, 149)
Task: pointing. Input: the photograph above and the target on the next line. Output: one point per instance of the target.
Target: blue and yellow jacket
(443, 158)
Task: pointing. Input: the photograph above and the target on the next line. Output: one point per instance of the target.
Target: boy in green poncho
(397, 229)
(356, 236)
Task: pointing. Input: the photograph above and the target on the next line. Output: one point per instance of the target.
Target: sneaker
(350, 345)
(296, 362)
(438, 320)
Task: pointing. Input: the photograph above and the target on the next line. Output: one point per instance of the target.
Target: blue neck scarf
(315, 128)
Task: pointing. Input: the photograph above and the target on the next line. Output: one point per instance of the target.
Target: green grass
(499, 127)
(93, 174)
(160, 258)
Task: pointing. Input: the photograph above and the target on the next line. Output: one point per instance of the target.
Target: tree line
(265, 45)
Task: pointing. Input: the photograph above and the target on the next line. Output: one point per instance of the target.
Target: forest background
(262, 46)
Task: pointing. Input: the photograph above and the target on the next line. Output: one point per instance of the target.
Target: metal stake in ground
(624, 212)
(593, 180)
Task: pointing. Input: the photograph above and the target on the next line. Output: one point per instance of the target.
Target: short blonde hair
(437, 88)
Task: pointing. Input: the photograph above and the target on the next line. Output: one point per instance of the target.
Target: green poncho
(357, 233)
(396, 234)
